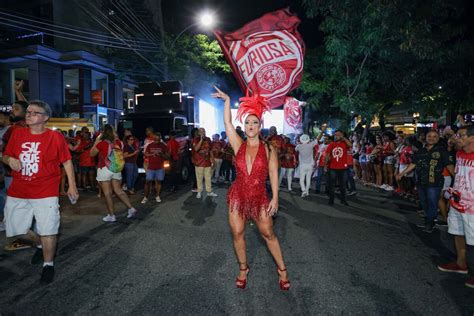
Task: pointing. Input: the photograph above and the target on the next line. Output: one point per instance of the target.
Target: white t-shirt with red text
(464, 180)
(40, 156)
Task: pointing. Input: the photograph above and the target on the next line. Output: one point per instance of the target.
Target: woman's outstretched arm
(234, 139)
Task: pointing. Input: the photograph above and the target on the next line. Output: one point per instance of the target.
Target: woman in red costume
(247, 197)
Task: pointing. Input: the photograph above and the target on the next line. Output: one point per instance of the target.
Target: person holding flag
(247, 198)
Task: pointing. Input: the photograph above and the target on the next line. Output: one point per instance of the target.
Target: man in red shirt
(275, 140)
(173, 147)
(34, 155)
(86, 162)
(156, 152)
(217, 148)
(336, 165)
(203, 161)
(288, 162)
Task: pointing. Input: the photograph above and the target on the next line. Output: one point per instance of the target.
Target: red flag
(266, 55)
(293, 116)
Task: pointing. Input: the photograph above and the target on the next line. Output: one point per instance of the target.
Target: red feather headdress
(252, 105)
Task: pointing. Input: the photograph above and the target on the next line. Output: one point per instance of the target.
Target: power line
(114, 33)
(138, 22)
(71, 28)
(90, 41)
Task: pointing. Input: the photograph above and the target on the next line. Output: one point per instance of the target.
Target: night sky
(233, 14)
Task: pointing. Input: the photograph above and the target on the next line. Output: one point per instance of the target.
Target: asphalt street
(177, 258)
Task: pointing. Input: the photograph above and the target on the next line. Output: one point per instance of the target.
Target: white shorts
(461, 224)
(402, 168)
(19, 214)
(104, 174)
(447, 182)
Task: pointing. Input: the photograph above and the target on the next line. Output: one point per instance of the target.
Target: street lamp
(416, 117)
(205, 19)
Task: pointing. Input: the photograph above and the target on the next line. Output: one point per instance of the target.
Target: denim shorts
(155, 175)
(86, 169)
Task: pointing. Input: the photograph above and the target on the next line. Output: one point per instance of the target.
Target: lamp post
(205, 19)
(416, 117)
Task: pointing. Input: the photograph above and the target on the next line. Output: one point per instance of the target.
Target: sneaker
(124, 187)
(132, 212)
(144, 200)
(37, 257)
(47, 275)
(157, 199)
(2, 227)
(344, 203)
(352, 193)
(429, 228)
(440, 222)
(109, 218)
(452, 267)
(211, 194)
(470, 283)
(198, 195)
(398, 191)
(194, 190)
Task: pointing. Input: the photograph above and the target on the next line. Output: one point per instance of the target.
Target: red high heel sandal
(284, 285)
(241, 284)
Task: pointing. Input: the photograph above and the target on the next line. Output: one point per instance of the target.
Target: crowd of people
(431, 167)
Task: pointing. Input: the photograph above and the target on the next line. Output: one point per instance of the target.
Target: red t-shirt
(322, 158)
(288, 156)
(148, 140)
(103, 148)
(130, 149)
(84, 150)
(202, 157)
(228, 152)
(217, 148)
(156, 149)
(406, 155)
(40, 156)
(173, 147)
(338, 151)
(276, 141)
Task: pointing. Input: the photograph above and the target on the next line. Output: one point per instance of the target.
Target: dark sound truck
(165, 111)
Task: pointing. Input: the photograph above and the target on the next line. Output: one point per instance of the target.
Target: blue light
(30, 35)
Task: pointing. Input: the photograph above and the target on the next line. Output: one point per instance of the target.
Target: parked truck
(166, 108)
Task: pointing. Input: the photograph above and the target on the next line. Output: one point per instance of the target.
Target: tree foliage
(197, 61)
(378, 53)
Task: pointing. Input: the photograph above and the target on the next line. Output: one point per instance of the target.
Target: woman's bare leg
(117, 187)
(106, 187)
(237, 227)
(265, 226)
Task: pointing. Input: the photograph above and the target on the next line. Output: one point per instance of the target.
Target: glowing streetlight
(205, 19)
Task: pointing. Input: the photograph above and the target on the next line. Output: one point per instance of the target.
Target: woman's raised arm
(234, 139)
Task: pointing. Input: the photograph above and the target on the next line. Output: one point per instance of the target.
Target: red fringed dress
(248, 194)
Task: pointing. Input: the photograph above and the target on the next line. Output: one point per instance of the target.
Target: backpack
(115, 161)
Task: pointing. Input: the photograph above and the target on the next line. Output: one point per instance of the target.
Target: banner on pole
(266, 55)
(293, 116)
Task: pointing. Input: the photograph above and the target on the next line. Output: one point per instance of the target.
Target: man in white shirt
(306, 162)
